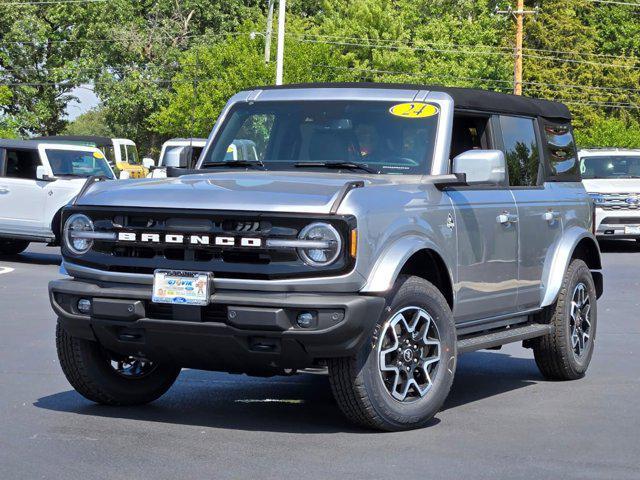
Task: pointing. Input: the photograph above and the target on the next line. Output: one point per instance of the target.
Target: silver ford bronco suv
(382, 231)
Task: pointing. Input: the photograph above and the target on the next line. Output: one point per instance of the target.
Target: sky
(86, 101)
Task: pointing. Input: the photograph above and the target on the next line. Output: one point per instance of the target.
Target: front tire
(402, 376)
(109, 379)
(12, 247)
(566, 353)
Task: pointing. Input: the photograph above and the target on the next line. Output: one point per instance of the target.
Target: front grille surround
(225, 262)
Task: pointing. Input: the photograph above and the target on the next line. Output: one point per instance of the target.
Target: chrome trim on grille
(87, 235)
(617, 201)
(277, 243)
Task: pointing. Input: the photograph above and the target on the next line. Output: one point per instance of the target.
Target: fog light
(306, 319)
(84, 305)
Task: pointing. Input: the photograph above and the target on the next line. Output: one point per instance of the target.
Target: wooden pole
(517, 81)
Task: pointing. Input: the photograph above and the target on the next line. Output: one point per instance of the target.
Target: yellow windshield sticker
(98, 155)
(414, 110)
(230, 149)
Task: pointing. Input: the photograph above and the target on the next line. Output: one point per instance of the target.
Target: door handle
(551, 216)
(506, 218)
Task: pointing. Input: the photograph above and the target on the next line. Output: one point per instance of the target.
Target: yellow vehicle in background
(121, 153)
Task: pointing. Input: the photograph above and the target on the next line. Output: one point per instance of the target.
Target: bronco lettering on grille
(180, 239)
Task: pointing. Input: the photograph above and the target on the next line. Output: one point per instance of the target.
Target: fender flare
(557, 262)
(388, 266)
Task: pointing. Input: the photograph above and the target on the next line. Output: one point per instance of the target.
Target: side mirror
(148, 162)
(41, 174)
(487, 167)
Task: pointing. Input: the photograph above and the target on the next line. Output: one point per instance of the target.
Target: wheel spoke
(409, 353)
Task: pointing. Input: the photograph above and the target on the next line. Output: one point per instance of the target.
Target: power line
(615, 2)
(51, 2)
(485, 80)
(457, 45)
(122, 39)
(468, 52)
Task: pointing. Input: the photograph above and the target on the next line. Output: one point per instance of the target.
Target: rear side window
(562, 158)
(521, 150)
(22, 164)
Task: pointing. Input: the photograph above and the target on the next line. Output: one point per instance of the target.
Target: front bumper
(617, 223)
(240, 331)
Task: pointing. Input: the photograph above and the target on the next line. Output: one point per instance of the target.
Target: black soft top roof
(99, 141)
(464, 98)
(19, 144)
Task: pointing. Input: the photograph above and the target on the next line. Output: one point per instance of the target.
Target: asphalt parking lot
(502, 419)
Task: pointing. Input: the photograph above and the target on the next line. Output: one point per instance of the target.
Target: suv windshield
(615, 166)
(78, 163)
(382, 137)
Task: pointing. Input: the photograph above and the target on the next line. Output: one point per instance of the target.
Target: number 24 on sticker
(414, 110)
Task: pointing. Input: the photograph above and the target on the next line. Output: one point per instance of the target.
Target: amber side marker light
(353, 244)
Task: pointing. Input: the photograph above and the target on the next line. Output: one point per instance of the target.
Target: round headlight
(327, 247)
(75, 226)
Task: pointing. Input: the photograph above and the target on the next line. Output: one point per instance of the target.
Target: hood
(612, 185)
(242, 191)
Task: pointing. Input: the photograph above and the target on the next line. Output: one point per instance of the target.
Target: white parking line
(5, 270)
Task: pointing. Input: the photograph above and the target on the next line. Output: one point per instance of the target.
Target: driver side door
(22, 196)
(487, 233)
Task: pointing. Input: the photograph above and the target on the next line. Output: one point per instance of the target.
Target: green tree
(610, 132)
(7, 124)
(40, 61)
(93, 122)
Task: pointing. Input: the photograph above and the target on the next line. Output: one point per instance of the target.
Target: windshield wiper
(346, 165)
(235, 163)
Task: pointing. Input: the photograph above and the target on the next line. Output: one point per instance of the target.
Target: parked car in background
(379, 230)
(178, 153)
(37, 179)
(611, 176)
(121, 153)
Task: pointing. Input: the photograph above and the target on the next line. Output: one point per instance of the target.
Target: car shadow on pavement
(619, 246)
(33, 258)
(298, 404)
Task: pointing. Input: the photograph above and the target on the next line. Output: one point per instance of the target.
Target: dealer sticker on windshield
(181, 288)
(413, 110)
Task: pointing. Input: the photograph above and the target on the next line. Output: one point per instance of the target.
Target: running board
(501, 337)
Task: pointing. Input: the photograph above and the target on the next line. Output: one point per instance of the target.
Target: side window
(22, 164)
(561, 152)
(123, 153)
(521, 150)
(469, 133)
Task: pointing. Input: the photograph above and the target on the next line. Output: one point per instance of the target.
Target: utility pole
(518, 14)
(269, 33)
(280, 52)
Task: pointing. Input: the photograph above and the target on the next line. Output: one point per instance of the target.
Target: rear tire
(12, 247)
(88, 368)
(395, 382)
(566, 353)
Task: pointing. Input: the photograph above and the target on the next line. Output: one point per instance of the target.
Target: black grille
(621, 221)
(224, 262)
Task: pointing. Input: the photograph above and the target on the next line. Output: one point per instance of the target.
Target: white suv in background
(612, 178)
(37, 179)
